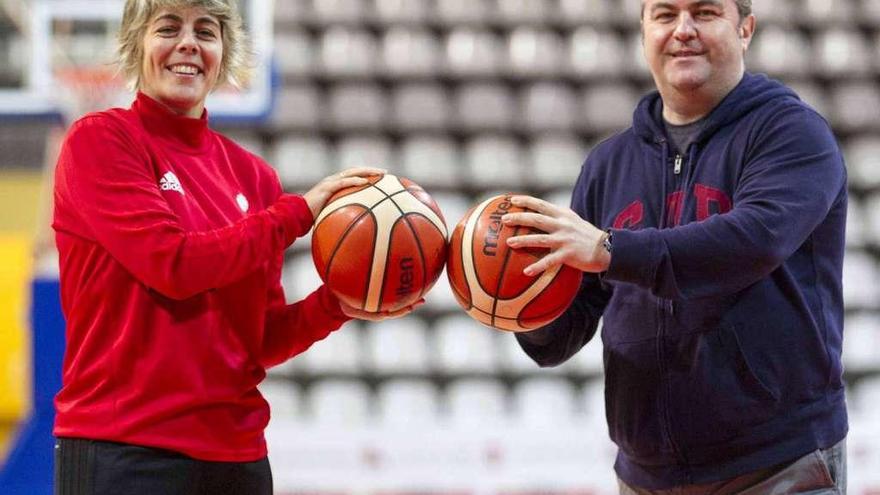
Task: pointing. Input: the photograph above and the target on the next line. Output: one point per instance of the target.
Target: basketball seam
(550, 284)
(387, 257)
(415, 235)
(474, 255)
(342, 237)
(507, 252)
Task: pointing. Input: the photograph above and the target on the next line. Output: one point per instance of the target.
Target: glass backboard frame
(38, 95)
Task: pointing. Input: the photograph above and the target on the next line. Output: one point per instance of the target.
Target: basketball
(487, 276)
(381, 246)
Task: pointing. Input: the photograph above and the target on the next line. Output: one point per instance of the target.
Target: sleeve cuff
(295, 215)
(634, 256)
(330, 304)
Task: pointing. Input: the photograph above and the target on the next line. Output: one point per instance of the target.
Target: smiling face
(695, 45)
(183, 50)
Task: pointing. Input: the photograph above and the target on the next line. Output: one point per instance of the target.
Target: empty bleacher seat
(301, 161)
(473, 52)
(476, 402)
(291, 12)
(339, 403)
(870, 11)
(596, 52)
(357, 107)
(863, 161)
(592, 401)
(339, 352)
(871, 220)
(774, 12)
(430, 161)
(494, 161)
(464, 346)
(544, 403)
(420, 106)
(517, 12)
(299, 277)
(578, 12)
(402, 11)
(440, 298)
(365, 151)
(556, 159)
(636, 64)
(860, 275)
(295, 53)
(398, 346)
(484, 106)
(812, 94)
(856, 234)
(780, 51)
(348, 52)
(458, 12)
(628, 13)
(514, 359)
(608, 107)
(339, 11)
(534, 52)
(842, 51)
(408, 403)
(549, 107)
(856, 106)
(827, 12)
(298, 107)
(410, 52)
(284, 398)
(861, 343)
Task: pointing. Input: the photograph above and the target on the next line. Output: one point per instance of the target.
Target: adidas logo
(169, 182)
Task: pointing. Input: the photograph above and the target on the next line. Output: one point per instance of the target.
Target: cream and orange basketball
(487, 276)
(380, 247)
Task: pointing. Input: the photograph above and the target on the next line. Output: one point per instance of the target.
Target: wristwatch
(606, 243)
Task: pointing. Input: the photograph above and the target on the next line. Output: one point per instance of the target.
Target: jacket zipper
(666, 308)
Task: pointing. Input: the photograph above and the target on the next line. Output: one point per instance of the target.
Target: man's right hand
(317, 196)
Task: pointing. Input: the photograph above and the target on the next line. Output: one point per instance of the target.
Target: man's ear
(747, 30)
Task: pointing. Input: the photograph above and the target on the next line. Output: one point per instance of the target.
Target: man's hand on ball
(360, 314)
(317, 196)
(572, 240)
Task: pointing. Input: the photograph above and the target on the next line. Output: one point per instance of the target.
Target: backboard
(40, 40)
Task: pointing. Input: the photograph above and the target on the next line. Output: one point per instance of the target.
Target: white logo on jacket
(242, 202)
(169, 182)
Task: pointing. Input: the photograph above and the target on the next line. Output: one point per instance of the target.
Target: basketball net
(88, 88)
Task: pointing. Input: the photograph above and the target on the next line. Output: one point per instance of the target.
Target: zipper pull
(677, 168)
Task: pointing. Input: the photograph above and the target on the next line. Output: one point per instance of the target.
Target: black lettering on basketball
(405, 286)
(493, 230)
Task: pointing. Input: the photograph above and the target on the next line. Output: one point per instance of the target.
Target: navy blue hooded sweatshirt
(722, 307)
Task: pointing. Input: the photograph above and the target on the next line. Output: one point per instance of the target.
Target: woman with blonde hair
(171, 239)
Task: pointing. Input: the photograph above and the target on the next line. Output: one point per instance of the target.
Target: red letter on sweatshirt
(705, 197)
(631, 216)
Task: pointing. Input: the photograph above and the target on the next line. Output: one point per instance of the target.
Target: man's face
(694, 44)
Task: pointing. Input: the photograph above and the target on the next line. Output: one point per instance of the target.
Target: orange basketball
(380, 247)
(487, 276)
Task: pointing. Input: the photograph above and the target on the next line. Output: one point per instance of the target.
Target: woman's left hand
(385, 315)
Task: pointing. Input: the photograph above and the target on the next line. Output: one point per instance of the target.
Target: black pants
(90, 467)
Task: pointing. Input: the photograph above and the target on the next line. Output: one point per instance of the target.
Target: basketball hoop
(90, 88)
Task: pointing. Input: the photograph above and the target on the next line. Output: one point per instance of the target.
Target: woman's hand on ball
(385, 315)
(317, 196)
(571, 240)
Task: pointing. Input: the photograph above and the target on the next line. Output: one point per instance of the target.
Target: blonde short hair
(235, 66)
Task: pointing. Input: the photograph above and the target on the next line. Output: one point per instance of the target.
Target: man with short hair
(712, 237)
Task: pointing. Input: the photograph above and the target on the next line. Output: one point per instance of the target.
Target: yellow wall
(19, 212)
